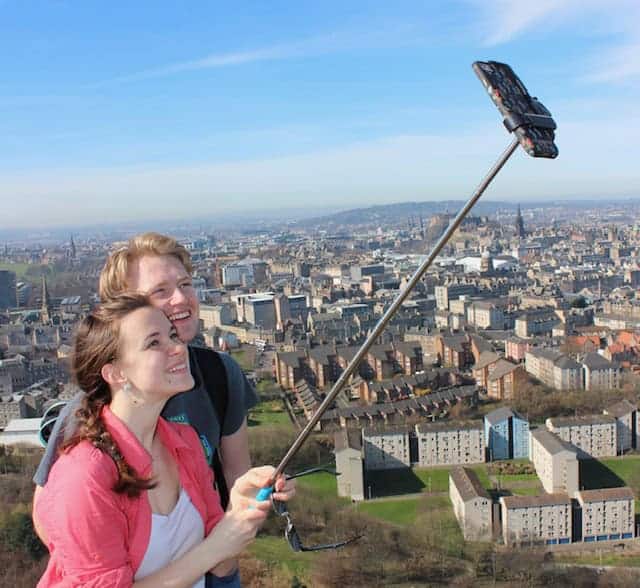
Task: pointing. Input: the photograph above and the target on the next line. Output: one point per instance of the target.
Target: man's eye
(158, 291)
(153, 343)
(174, 337)
(185, 285)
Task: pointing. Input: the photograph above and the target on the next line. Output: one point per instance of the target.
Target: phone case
(524, 115)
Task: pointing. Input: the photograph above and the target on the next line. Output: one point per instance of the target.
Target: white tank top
(172, 536)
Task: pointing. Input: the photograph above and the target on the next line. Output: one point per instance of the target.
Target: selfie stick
(266, 492)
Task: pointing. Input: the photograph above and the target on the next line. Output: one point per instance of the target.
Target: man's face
(165, 280)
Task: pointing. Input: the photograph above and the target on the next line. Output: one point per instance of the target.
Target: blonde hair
(113, 277)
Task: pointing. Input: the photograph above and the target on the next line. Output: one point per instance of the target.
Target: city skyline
(167, 112)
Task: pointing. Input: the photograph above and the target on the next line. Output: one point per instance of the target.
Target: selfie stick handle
(382, 323)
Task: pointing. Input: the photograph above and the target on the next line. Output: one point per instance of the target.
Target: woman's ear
(112, 375)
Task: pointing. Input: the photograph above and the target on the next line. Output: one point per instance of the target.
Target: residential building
(485, 315)
(483, 367)
(555, 461)
(506, 434)
(291, 367)
(537, 520)
(7, 289)
(471, 503)
(386, 448)
(450, 443)
(600, 373)
(451, 292)
(608, 514)
(626, 415)
(349, 463)
(505, 380)
(536, 322)
(554, 368)
(22, 431)
(594, 435)
(408, 357)
(260, 311)
(454, 351)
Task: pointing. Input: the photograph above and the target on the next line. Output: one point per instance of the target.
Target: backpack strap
(214, 376)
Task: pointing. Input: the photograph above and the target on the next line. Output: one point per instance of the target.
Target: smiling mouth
(178, 369)
(179, 316)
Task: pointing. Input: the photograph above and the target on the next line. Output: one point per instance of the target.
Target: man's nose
(178, 296)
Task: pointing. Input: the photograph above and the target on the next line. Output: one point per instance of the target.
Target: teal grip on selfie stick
(264, 493)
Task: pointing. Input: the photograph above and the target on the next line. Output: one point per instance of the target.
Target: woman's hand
(244, 491)
(284, 489)
(235, 531)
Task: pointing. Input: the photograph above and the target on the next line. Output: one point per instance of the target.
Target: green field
(611, 472)
(600, 560)
(20, 269)
(245, 357)
(400, 511)
(276, 551)
(269, 413)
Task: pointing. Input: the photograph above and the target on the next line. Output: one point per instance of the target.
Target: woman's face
(168, 284)
(151, 356)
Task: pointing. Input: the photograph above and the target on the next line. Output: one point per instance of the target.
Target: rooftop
(533, 501)
(467, 483)
(551, 442)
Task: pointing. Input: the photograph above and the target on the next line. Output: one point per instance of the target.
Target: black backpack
(216, 384)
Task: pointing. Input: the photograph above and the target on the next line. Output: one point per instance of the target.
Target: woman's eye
(174, 337)
(186, 285)
(153, 343)
(158, 291)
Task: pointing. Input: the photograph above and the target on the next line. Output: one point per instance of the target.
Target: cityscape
(454, 384)
(507, 385)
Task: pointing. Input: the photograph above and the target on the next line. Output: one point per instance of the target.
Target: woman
(157, 265)
(130, 500)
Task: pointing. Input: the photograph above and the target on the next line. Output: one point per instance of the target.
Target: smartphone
(523, 114)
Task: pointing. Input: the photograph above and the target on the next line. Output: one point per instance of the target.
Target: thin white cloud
(314, 46)
(615, 22)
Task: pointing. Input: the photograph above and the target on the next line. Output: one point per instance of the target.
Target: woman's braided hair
(96, 344)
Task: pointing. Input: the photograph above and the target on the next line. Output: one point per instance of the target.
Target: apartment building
(483, 367)
(450, 443)
(554, 368)
(506, 434)
(386, 448)
(608, 514)
(291, 366)
(451, 292)
(536, 322)
(555, 461)
(594, 435)
(485, 315)
(626, 415)
(471, 503)
(538, 520)
(505, 379)
(600, 373)
(349, 463)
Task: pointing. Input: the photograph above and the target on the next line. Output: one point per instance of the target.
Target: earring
(127, 388)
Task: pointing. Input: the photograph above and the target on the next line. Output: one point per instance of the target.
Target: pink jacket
(97, 538)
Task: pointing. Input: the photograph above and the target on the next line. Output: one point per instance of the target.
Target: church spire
(520, 225)
(45, 310)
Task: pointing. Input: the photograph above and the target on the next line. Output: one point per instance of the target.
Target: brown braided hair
(96, 344)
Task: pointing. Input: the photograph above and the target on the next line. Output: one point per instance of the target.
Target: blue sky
(163, 110)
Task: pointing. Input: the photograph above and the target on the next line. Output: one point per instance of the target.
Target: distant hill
(401, 211)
